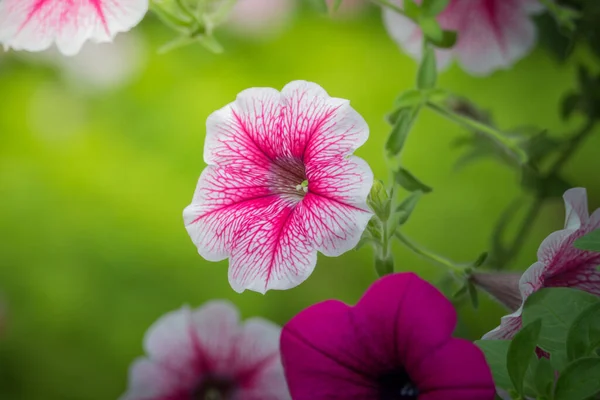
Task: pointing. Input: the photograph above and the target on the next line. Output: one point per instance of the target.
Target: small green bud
(380, 201)
(384, 266)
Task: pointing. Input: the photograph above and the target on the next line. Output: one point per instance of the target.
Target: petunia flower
(559, 264)
(34, 25)
(280, 185)
(492, 34)
(208, 354)
(395, 344)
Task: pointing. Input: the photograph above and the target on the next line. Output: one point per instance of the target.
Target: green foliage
(584, 335)
(406, 207)
(384, 266)
(427, 74)
(520, 351)
(579, 380)
(431, 8)
(543, 377)
(403, 123)
(590, 242)
(496, 352)
(408, 181)
(380, 200)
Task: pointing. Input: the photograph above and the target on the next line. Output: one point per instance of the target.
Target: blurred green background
(93, 182)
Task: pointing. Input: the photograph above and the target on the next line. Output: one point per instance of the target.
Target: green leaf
(584, 334)
(433, 7)
(569, 104)
(427, 74)
(495, 352)
(461, 292)
(431, 29)
(520, 352)
(401, 129)
(447, 40)
(409, 98)
(590, 242)
(473, 294)
(407, 206)
(580, 380)
(409, 182)
(480, 260)
(543, 377)
(557, 308)
(411, 9)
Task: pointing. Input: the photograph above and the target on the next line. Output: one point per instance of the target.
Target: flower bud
(380, 201)
(502, 286)
(384, 266)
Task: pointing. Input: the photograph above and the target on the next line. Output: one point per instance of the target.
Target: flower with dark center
(207, 354)
(492, 34)
(394, 344)
(35, 25)
(559, 264)
(280, 185)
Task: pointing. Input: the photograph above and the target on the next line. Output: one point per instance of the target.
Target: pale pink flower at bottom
(280, 185)
(208, 354)
(559, 263)
(34, 25)
(492, 34)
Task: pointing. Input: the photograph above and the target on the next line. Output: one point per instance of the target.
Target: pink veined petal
(553, 247)
(509, 326)
(257, 361)
(576, 207)
(316, 126)
(225, 200)
(272, 251)
(149, 380)
(493, 35)
(33, 25)
(442, 374)
(325, 357)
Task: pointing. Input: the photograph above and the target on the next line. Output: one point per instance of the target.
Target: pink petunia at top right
(492, 34)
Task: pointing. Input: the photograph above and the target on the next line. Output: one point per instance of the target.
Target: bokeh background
(100, 154)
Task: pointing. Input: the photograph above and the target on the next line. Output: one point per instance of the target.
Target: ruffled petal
(458, 370)
(408, 318)
(326, 355)
(271, 250)
(257, 361)
(151, 381)
(493, 35)
(509, 326)
(576, 207)
(33, 25)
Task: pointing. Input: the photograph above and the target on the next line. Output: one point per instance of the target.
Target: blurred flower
(34, 25)
(492, 34)
(261, 17)
(559, 264)
(280, 185)
(208, 354)
(394, 344)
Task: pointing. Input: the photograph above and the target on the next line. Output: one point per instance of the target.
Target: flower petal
(493, 35)
(149, 380)
(509, 326)
(259, 371)
(272, 250)
(225, 200)
(325, 357)
(408, 318)
(576, 207)
(316, 126)
(33, 25)
(457, 370)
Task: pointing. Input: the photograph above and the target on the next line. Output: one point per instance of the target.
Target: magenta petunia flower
(208, 354)
(34, 25)
(280, 185)
(559, 263)
(395, 344)
(492, 34)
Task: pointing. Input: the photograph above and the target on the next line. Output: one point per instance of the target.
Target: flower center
(397, 385)
(213, 388)
(287, 176)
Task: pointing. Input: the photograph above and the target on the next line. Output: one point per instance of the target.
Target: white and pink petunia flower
(208, 354)
(492, 34)
(34, 25)
(280, 185)
(559, 263)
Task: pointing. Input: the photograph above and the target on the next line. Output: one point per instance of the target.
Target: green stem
(574, 143)
(417, 249)
(392, 6)
(511, 147)
(185, 9)
(169, 18)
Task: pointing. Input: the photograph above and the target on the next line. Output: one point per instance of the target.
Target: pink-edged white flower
(280, 185)
(559, 263)
(34, 25)
(208, 354)
(492, 34)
